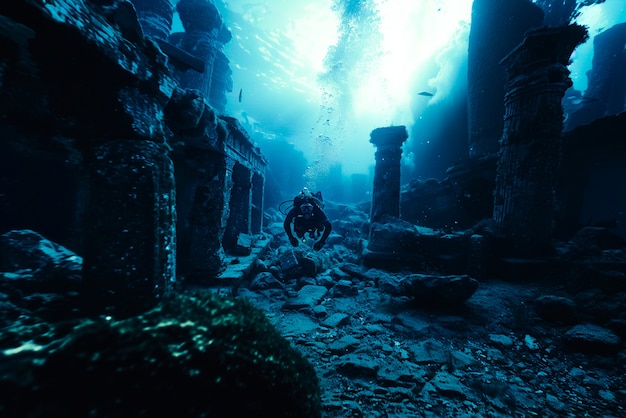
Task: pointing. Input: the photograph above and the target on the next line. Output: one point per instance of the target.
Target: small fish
(240, 92)
(425, 93)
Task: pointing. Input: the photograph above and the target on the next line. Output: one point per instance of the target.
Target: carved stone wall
(103, 152)
(220, 177)
(81, 89)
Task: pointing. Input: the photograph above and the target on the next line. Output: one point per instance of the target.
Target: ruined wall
(82, 90)
(220, 173)
(98, 136)
(580, 193)
(386, 189)
(220, 178)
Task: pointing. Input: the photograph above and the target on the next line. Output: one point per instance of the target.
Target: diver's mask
(307, 210)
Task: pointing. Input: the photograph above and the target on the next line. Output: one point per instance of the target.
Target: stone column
(209, 217)
(530, 147)
(155, 17)
(239, 207)
(130, 232)
(386, 191)
(221, 81)
(258, 197)
(204, 37)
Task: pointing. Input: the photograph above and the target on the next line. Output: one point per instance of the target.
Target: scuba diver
(307, 216)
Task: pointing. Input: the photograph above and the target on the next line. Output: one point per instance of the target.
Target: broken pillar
(496, 28)
(386, 191)
(528, 163)
(203, 252)
(204, 38)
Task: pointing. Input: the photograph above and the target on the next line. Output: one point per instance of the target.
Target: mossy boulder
(195, 355)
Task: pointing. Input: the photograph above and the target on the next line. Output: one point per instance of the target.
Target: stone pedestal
(529, 158)
(386, 191)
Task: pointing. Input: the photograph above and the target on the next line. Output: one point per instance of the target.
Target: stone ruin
(512, 204)
(529, 158)
(583, 161)
(115, 145)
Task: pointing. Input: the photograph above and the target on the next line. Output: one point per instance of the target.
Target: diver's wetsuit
(316, 222)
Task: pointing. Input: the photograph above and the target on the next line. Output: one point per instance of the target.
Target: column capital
(544, 47)
(203, 16)
(389, 136)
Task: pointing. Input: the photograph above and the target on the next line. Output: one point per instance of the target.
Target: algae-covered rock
(195, 355)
